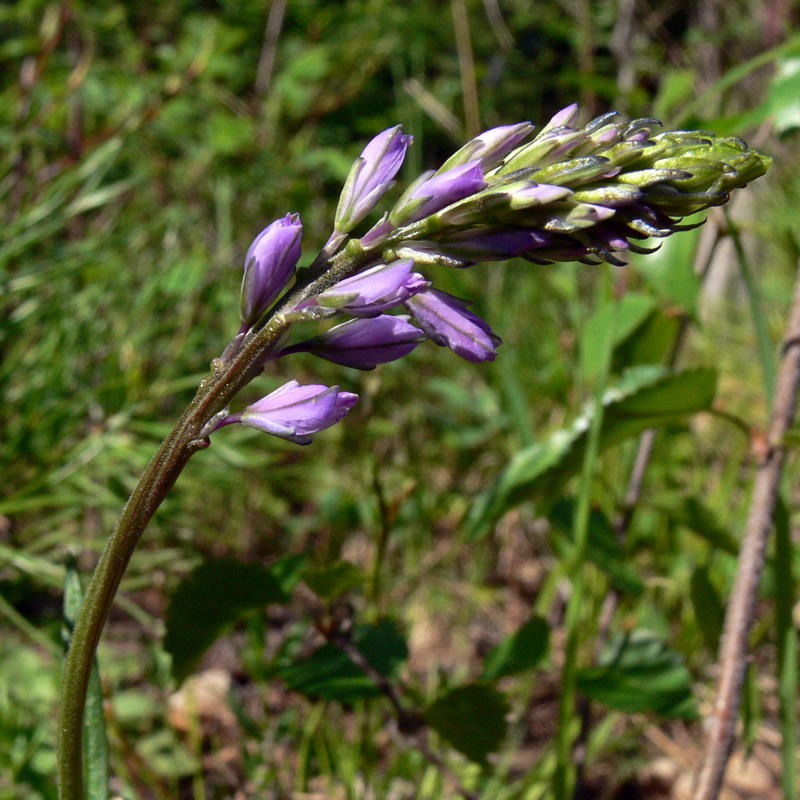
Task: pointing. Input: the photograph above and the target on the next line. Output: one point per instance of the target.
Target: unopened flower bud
(370, 177)
(375, 290)
(296, 412)
(447, 321)
(268, 266)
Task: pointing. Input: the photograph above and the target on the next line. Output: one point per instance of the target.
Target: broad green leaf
(520, 652)
(637, 673)
(708, 608)
(214, 596)
(783, 99)
(470, 718)
(603, 548)
(675, 86)
(701, 520)
(95, 740)
(332, 580)
(626, 316)
(649, 343)
(670, 270)
(167, 756)
(329, 673)
(646, 397)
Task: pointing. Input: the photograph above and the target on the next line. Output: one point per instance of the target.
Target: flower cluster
(571, 193)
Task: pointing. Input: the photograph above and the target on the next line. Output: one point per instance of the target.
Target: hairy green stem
(228, 376)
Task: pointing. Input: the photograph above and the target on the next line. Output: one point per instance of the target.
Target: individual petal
(491, 147)
(371, 176)
(375, 290)
(295, 412)
(270, 262)
(448, 321)
(435, 191)
(364, 343)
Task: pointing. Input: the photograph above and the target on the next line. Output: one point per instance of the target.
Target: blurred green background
(142, 146)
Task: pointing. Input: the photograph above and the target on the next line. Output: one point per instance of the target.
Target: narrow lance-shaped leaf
(95, 739)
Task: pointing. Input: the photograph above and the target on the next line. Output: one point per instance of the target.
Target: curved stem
(241, 361)
(214, 394)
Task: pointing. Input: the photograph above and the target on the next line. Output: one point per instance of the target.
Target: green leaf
(522, 651)
(647, 397)
(329, 673)
(626, 316)
(670, 270)
(214, 596)
(649, 343)
(95, 740)
(701, 520)
(332, 580)
(783, 99)
(603, 548)
(708, 608)
(638, 672)
(470, 718)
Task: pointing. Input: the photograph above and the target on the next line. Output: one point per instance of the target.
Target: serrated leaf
(329, 673)
(332, 580)
(95, 739)
(646, 397)
(470, 718)
(214, 596)
(603, 548)
(520, 652)
(638, 673)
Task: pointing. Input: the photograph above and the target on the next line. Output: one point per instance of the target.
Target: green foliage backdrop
(142, 146)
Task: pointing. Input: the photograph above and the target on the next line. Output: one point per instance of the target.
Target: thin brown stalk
(272, 32)
(466, 65)
(721, 723)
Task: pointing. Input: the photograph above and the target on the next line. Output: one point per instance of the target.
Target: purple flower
(295, 412)
(268, 266)
(491, 147)
(448, 321)
(364, 343)
(375, 290)
(435, 191)
(496, 245)
(370, 177)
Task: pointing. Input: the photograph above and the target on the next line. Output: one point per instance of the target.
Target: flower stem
(241, 361)
(184, 440)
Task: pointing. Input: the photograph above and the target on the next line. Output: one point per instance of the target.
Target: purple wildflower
(364, 343)
(295, 412)
(432, 192)
(448, 321)
(370, 177)
(491, 147)
(375, 290)
(268, 266)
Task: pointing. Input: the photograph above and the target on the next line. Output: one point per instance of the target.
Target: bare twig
(739, 616)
